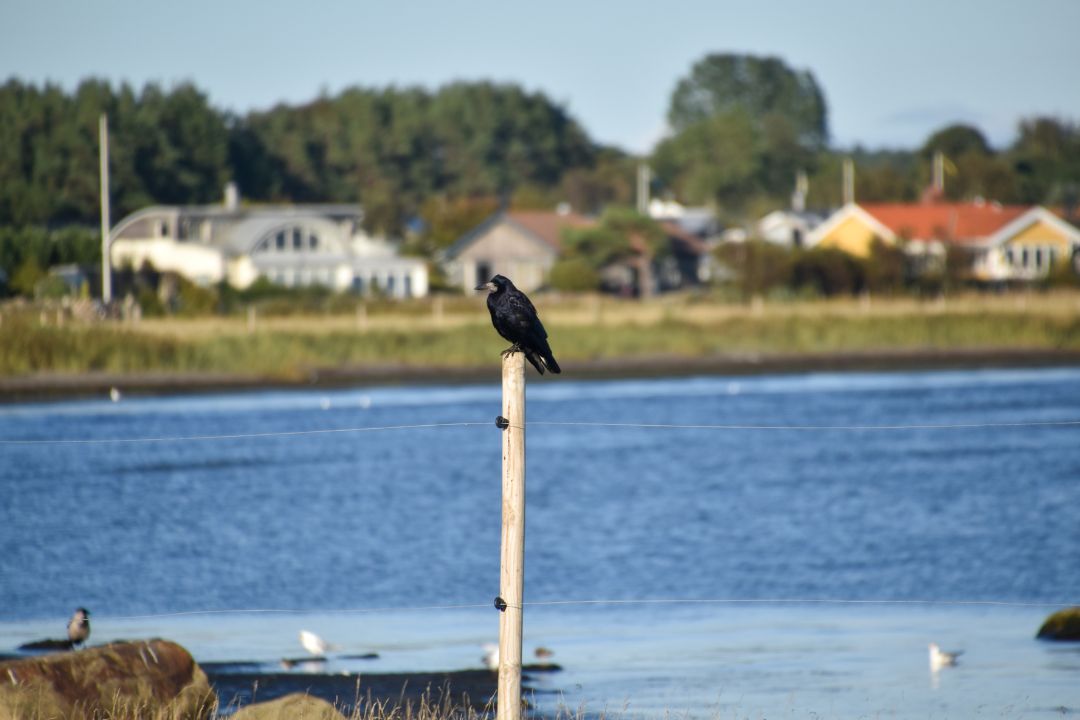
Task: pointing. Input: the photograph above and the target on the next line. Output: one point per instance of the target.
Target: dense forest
(741, 127)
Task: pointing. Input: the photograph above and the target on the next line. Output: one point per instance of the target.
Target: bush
(762, 268)
(829, 272)
(574, 275)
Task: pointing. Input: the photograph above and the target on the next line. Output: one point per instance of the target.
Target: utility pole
(644, 178)
(106, 265)
(849, 181)
(512, 565)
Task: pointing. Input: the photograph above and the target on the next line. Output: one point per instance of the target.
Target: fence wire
(548, 423)
(600, 601)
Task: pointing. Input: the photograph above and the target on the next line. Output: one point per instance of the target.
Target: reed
(581, 329)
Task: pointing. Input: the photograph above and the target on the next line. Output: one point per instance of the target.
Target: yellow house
(1006, 242)
(851, 229)
(1027, 248)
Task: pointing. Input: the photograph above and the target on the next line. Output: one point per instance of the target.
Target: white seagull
(491, 656)
(315, 644)
(939, 658)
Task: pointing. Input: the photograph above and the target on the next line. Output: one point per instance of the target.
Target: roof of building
(545, 226)
(957, 222)
(548, 225)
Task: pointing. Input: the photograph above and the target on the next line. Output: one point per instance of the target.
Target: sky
(892, 72)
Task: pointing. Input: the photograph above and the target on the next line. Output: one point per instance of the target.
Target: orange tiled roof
(548, 225)
(958, 222)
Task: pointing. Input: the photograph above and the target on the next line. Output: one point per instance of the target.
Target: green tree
(714, 161)
(1046, 160)
(760, 267)
(760, 87)
(574, 274)
(27, 277)
(886, 269)
(828, 272)
(956, 140)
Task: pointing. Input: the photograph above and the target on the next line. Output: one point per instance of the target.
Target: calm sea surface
(366, 537)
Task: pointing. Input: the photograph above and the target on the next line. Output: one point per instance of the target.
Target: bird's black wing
(530, 332)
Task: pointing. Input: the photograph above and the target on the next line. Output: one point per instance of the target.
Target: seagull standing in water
(491, 656)
(78, 628)
(315, 644)
(939, 658)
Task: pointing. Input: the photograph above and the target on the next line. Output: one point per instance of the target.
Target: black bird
(515, 318)
(79, 627)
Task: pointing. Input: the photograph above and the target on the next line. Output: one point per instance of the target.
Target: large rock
(297, 706)
(154, 679)
(1062, 625)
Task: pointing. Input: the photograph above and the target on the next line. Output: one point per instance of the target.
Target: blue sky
(892, 72)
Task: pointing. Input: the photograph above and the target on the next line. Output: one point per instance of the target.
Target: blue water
(398, 519)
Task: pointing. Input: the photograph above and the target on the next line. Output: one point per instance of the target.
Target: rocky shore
(158, 678)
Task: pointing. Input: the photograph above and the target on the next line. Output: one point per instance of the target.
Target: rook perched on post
(515, 318)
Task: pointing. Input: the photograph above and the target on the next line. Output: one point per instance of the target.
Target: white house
(291, 245)
(788, 228)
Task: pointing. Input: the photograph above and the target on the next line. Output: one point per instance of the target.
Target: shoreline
(61, 386)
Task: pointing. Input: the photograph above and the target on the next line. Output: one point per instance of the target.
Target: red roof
(944, 221)
(548, 225)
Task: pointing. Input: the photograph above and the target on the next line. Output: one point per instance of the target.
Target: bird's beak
(490, 286)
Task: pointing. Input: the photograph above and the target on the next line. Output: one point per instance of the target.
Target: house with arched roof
(290, 245)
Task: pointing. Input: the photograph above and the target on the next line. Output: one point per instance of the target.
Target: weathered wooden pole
(106, 223)
(512, 566)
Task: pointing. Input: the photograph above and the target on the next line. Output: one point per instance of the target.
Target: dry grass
(456, 332)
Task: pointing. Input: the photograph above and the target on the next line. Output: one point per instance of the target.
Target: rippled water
(317, 523)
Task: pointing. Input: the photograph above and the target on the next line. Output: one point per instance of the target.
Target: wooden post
(512, 566)
(361, 317)
(106, 224)
(437, 310)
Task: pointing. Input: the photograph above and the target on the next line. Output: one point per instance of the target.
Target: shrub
(574, 275)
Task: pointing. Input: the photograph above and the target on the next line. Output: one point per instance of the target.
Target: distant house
(698, 221)
(1027, 248)
(520, 244)
(290, 245)
(788, 228)
(1005, 242)
(524, 245)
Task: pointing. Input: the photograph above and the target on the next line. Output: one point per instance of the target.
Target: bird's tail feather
(553, 366)
(536, 362)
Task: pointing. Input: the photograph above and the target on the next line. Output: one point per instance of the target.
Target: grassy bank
(457, 334)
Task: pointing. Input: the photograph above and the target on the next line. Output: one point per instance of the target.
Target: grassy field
(455, 332)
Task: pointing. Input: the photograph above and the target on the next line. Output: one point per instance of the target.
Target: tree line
(429, 164)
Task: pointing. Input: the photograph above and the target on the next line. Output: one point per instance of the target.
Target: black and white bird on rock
(515, 318)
